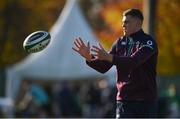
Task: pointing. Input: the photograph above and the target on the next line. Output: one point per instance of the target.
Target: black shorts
(136, 109)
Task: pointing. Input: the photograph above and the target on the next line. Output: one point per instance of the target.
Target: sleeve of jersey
(100, 65)
(136, 59)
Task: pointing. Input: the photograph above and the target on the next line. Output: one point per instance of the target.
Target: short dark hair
(135, 13)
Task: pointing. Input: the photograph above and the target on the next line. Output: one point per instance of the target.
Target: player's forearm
(109, 58)
(102, 64)
(99, 65)
(89, 58)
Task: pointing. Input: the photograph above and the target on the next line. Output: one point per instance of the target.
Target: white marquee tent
(58, 61)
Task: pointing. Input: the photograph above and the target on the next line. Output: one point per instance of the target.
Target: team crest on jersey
(149, 42)
(123, 43)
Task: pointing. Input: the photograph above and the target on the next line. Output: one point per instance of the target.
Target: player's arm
(93, 61)
(136, 59)
(99, 64)
(127, 63)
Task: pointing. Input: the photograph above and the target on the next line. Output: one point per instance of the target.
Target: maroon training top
(135, 58)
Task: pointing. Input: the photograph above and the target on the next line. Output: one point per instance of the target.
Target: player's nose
(123, 25)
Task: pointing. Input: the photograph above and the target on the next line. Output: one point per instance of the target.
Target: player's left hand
(100, 53)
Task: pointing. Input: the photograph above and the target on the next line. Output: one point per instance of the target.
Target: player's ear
(139, 22)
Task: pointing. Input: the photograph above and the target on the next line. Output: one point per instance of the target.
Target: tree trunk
(149, 11)
(2, 82)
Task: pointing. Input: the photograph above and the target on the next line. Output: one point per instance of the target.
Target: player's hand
(82, 49)
(100, 53)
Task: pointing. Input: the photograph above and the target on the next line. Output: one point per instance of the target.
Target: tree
(19, 19)
(167, 32)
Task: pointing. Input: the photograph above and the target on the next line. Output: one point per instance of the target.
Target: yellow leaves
(112, 16)
(167, 32)
(8, 55)
(177, 50)
(2, 4)
(24, 17)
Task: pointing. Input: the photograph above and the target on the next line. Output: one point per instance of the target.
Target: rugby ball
(36, 41)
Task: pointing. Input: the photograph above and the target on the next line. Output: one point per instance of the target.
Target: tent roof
(58, 60)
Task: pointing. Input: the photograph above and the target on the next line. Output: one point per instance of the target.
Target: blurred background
(27, 94)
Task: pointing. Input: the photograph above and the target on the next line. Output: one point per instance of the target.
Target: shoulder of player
(118, 43)
(148, 41)
(121, 41)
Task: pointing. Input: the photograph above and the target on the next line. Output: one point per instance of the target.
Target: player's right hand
(82, 49)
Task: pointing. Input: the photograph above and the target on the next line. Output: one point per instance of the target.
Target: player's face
(130, 25)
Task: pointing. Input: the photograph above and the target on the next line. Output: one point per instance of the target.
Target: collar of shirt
(137, 35)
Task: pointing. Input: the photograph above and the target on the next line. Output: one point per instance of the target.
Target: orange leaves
(167, 29)
(112, 17)
(21, 17)
(111, 14)
(167, 32)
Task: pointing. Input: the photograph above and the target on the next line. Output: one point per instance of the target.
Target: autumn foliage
(167, 29)
(18, 19)
(168, 37)
(21, 17)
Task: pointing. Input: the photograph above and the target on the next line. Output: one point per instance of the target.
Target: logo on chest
(128, 47)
